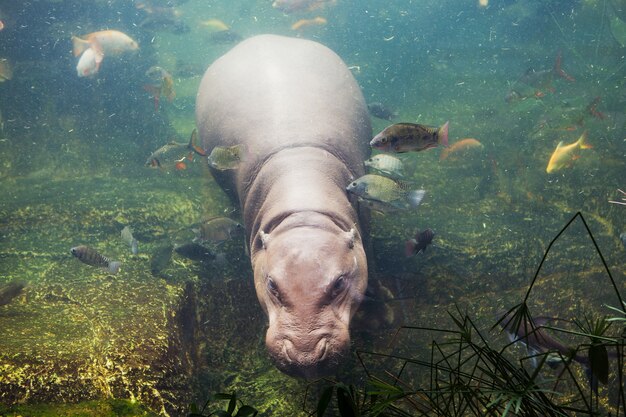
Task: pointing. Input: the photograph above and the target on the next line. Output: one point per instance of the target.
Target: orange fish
(161, 84)
(563, 155)
(302, 23)
(105, 42)
(460, 146)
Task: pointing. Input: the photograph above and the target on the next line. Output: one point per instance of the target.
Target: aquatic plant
(465, 374)
(234, 408)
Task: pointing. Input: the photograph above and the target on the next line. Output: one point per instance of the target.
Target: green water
(72, 153)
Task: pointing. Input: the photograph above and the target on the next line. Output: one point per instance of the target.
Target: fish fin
(79, 45)
(192, 144)
(559, 145)
(558, 69)
(114, 267)
(415, 197)
(409, 247)
(97, 48)
(442, 134)
(582, 141)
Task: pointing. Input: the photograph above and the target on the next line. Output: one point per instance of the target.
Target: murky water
(167, 332)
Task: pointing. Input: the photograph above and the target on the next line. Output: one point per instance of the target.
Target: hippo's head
(309, 278)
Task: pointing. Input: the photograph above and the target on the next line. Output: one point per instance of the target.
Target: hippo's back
(272, 92)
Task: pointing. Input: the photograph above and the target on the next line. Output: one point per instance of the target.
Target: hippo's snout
(307, 362)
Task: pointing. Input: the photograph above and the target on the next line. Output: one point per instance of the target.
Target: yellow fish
(564, 154)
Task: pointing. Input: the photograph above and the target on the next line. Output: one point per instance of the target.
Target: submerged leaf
(599, 362)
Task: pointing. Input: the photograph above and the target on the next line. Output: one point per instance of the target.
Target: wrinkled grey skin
(305, 124)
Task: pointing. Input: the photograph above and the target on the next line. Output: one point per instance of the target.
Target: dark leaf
(246, 410)
(599, 362)
(324, 400)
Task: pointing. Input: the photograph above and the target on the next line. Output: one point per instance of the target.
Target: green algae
(101, 408)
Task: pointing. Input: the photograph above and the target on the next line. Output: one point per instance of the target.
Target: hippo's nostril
(287, 346)
(322, 348)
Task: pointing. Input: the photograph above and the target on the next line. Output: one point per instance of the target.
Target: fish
(381, 111)
(105, 42)
(291, 6)
(195, 252)
(406, 137)
(533, 335)
(161, 17)
(87, 65)
(160, 260)
(227, 157)
(386, 164)
(214, 25)
(398, 194)
(535, 83)
(158, 157)
(129, 239)
(1, 25)
(564, 155)
(217, 230)
(460, 147)
(419, 242)
(6, 70)
(90, 256)
(303, 23)
(622, 237)
(9, 291)
(160, 84)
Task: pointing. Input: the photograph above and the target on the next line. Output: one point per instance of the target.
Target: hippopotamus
(304, 123)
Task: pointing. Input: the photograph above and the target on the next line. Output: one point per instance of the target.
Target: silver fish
(386, 164)
(396, 193)
(227, 157)
(217, 230)
(90, 256)
(129, 239)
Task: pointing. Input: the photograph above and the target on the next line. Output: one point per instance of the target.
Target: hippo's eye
(273, 288)
(337, 287)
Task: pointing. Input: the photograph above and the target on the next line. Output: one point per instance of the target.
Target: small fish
(160, 17)
(161, 84)
(214, 25)
(291, 6)
(406, 137)
(87, 65)
(537, 341)
(303, 23)
(535, 83)
(167, 152)
(90, 256)
(381, 111)
(622, 237)
(1, 25)
(105, 42)
(460, 147)
(9, 291)
(160, 259)
(396, 193)
(386, 164)
(227, 157)
(564, 155)
(195, 251)
(129, 239)
(419, 242)
(217, 230)
(6, 70)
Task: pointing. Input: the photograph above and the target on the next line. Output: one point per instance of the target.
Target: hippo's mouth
(320, 361)
(319, 355)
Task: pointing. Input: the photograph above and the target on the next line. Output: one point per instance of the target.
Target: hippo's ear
(265, 238)
(350, 237)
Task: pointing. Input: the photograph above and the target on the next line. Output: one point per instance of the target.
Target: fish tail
(558, 70)
(79, 45)
(114, 267)
(415, 197)
(442, 134)
(582, 141)
(409, 247)
(193, 144)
